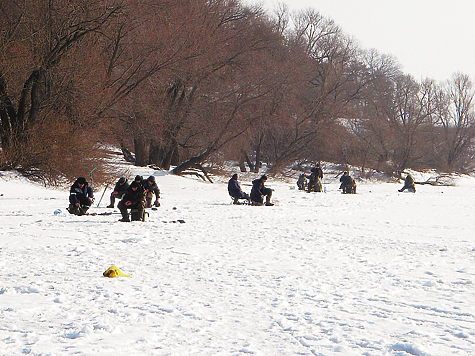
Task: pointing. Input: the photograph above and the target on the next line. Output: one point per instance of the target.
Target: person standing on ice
(80, 197)
(235, 191)
(133, 199)
(315, 179)
(119, 190)
(259, 190)
(408, 184)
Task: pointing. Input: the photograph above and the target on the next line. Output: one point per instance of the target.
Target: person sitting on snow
(133, 199)
(151, 188)
(408, 184)
(119, 190)
(258, 192)
(348, 185)
(235, 191)
(302, 182)
(80, 197)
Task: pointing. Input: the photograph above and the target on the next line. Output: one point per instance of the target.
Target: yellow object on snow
(113, 271)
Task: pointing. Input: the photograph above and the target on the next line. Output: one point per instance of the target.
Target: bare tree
(367, 119)
(330, 84)
(456, 116)
(42, 54)
(412, 104)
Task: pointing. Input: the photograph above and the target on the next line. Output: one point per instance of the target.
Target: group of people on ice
(138, 195)
(313, 182)
(258, 191)
(347, 183)
(135, 197)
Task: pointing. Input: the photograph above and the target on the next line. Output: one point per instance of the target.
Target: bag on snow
(113, 271)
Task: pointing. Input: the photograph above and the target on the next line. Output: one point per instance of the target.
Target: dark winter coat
(317, 172)
(234, 189)
(409, 182)
(259, 190)
(120, 189)
(314, 179)
(135, 197)
(302, 182)
(151, 187)
(80, 195)
(346, 180)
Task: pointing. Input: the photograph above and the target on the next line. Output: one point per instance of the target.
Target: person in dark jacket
(408, 184)
(348, 185)
(133, 199)
(139, 179)
(302, 182)
(119, 190)
(235, 191)
(151, 188)
(314, 180)
(80, 197)
(258, 192)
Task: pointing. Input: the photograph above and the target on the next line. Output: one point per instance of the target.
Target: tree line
(187, 83)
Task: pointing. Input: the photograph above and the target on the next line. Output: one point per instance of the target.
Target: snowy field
(376, 273)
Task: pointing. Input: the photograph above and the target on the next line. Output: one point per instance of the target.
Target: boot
(125, 215)
(111, 205)
(73, 209)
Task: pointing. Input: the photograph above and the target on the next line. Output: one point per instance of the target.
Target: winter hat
(151, 179)
(134, 184)
(81, 180)
(121, 180)
(235, 175)
(264, 177)
(138, 178)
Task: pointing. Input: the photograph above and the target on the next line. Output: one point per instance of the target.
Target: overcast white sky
(430, 38)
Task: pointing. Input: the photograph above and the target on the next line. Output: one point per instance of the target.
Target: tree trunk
(242, 165)
(190, 163)
(171, 155)
(141, 157)
(248, 161)
(7, 114)
(128, 156)
(154, 153)
(258, 159)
